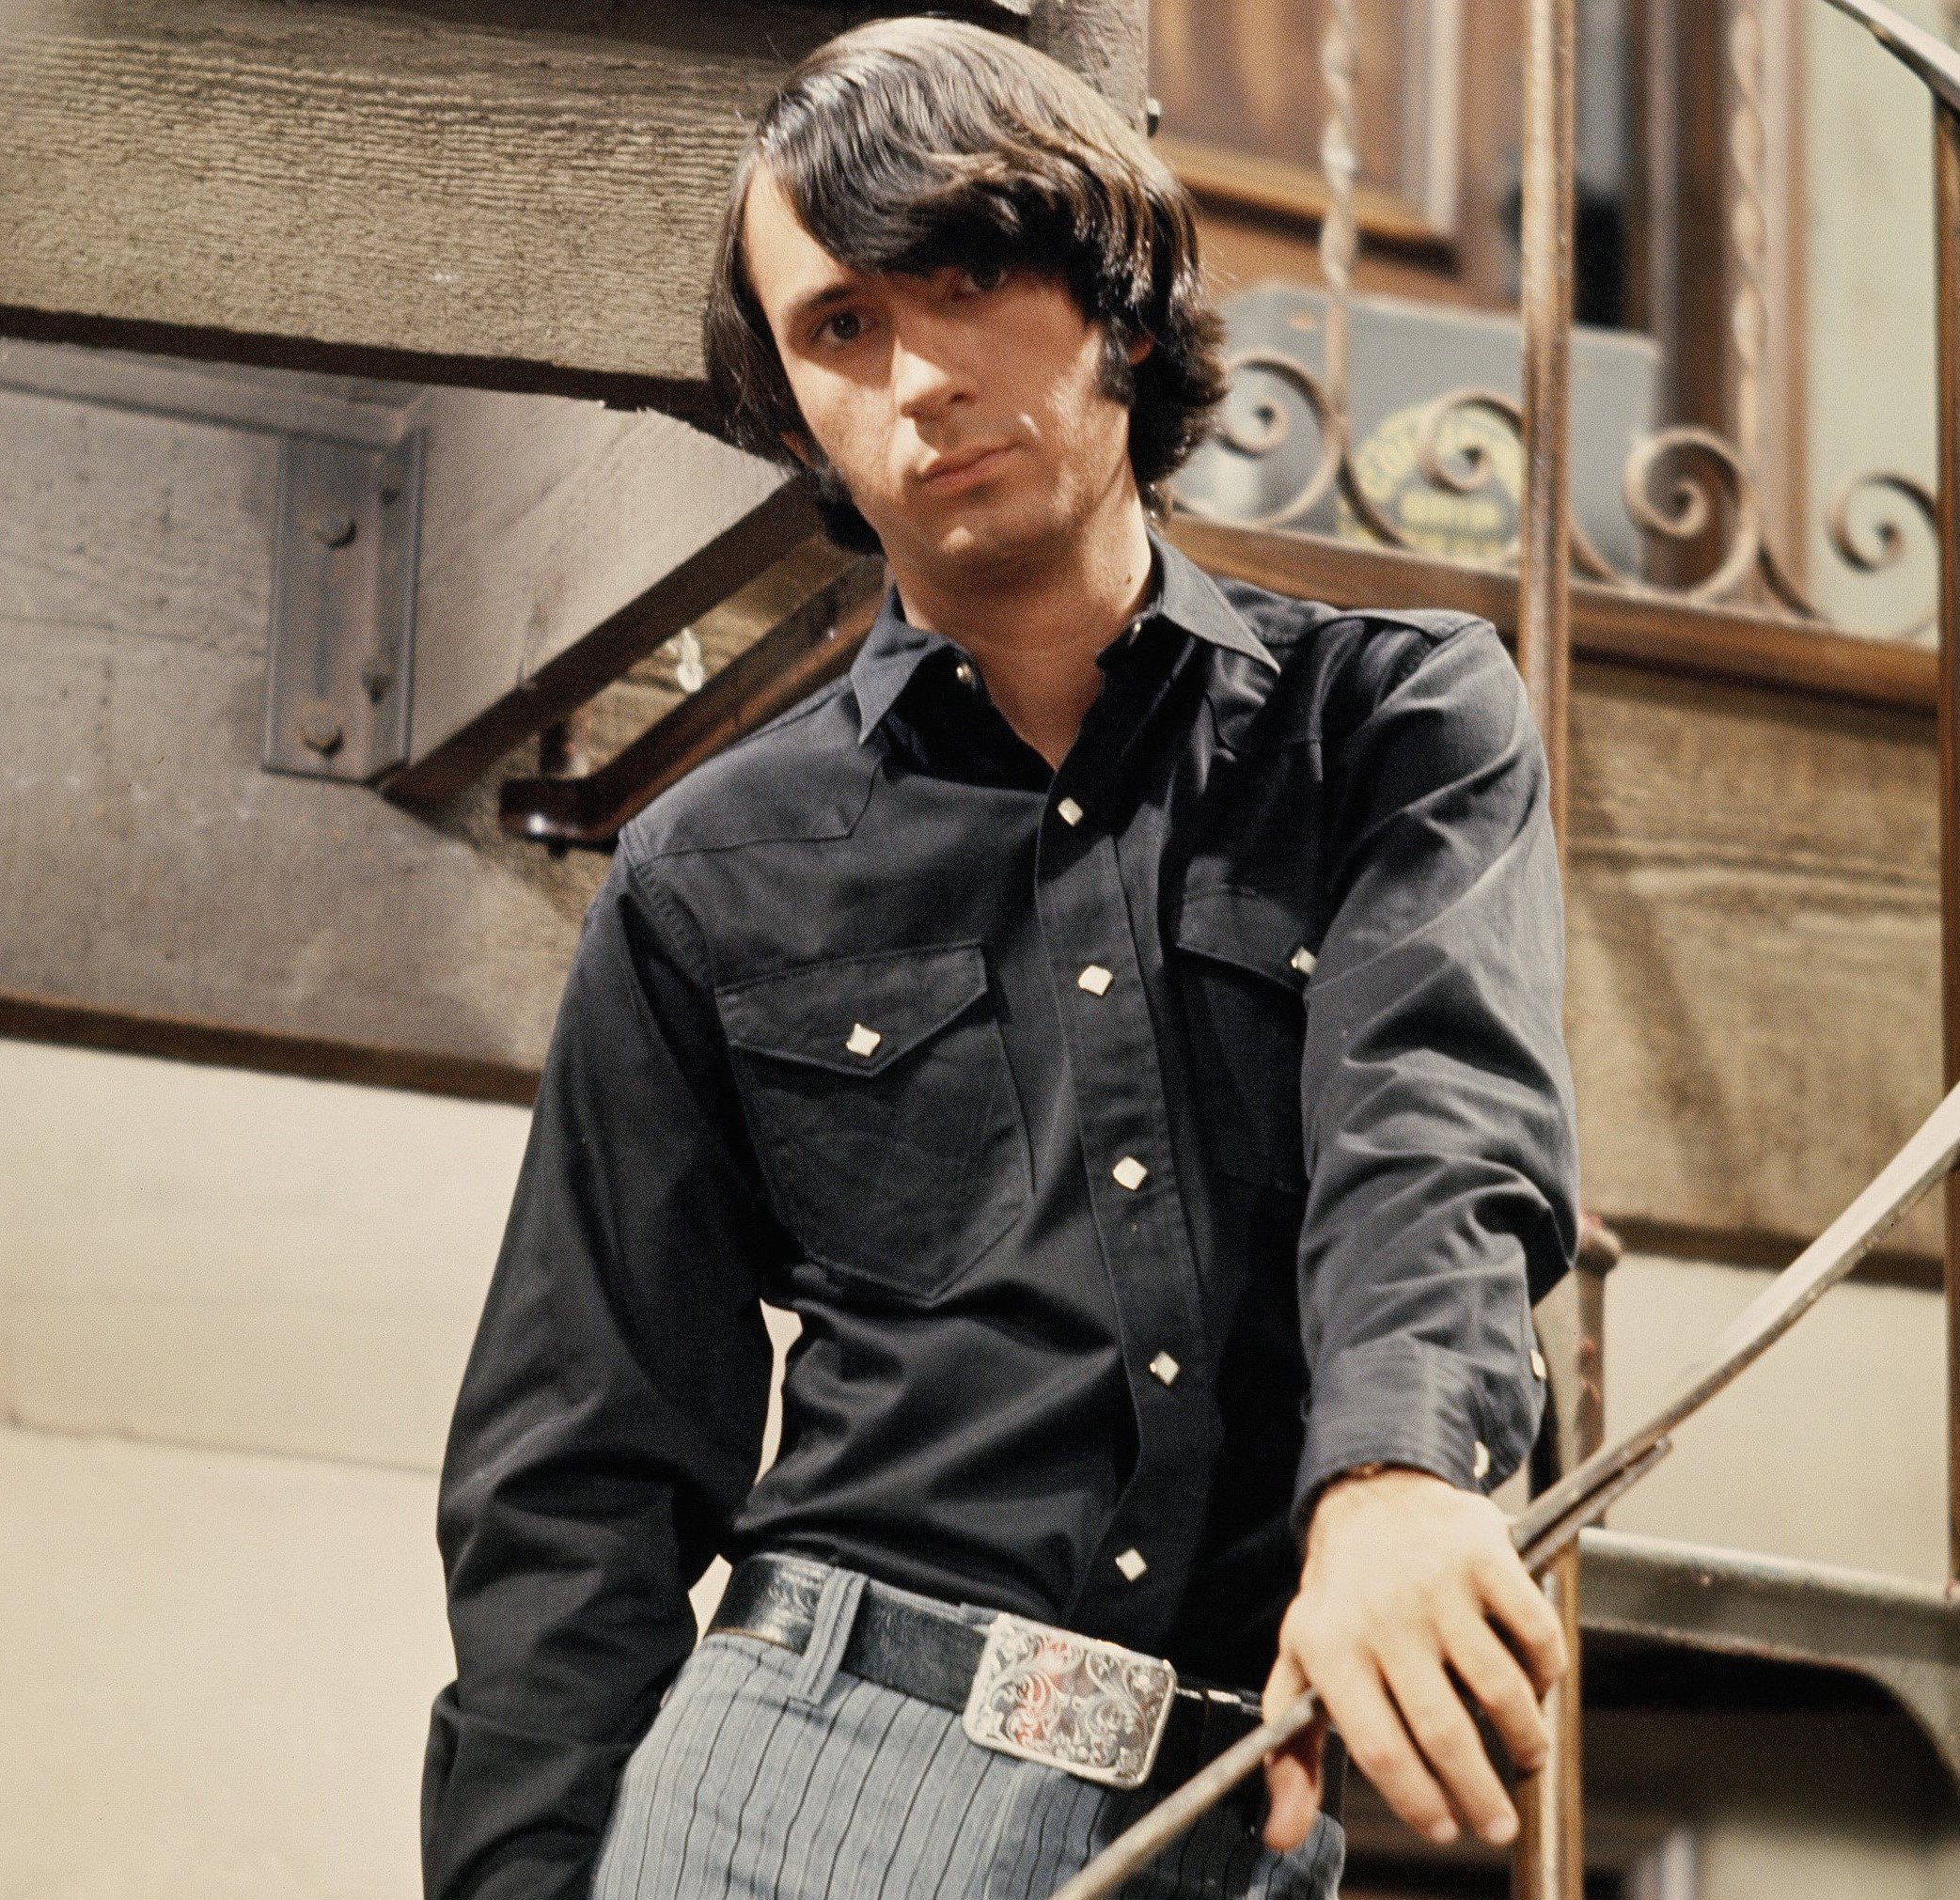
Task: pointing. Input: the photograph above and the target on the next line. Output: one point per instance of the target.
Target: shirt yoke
(1337, 665)
(805, 777)
(801, 777)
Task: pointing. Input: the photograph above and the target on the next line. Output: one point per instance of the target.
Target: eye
(841, 326)
(987, 276)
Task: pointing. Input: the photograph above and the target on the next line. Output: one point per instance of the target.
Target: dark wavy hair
(907, 144)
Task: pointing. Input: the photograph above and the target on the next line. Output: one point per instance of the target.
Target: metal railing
(1685, 484)
(1549, 1860)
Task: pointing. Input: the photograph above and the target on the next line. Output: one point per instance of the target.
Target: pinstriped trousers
(772, 1776)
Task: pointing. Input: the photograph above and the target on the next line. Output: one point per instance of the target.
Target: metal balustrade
(1680, 484)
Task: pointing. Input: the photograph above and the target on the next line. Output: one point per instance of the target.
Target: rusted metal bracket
(339, 659)
(812, 644)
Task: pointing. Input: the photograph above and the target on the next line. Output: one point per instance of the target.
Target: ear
(799, 446)
(1137, 347)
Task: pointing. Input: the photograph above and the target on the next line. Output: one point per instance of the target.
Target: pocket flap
(855, 1015)
(1249, 930)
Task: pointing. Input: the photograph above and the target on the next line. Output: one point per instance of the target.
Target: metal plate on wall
(339, 661)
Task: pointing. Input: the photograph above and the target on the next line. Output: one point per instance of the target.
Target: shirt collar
(1184, 595)
(1191, 599)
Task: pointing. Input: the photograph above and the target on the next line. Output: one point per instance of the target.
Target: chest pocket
(1245, 1020)
(884, 1109)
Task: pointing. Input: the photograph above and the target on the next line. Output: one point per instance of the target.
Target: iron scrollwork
(1684, 487)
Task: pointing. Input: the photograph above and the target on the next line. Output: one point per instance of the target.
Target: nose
(927, 376)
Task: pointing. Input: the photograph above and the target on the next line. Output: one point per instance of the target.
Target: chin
(1004, 529)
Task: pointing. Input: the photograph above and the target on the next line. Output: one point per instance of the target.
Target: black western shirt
(1141, 1144)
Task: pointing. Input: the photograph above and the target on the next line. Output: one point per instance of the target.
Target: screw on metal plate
(341, 658)
(320, 727)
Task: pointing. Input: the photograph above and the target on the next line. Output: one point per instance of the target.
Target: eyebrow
(839, 292)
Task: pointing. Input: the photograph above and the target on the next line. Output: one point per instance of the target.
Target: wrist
(1359, 1484)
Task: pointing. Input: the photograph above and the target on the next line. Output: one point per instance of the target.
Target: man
(1121, 1019)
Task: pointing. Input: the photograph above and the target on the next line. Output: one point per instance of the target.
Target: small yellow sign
(1435, 520)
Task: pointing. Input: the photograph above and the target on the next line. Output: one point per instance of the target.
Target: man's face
(963, 411)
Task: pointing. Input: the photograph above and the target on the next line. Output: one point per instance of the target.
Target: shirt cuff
(511, 1815)
(1406, 1402)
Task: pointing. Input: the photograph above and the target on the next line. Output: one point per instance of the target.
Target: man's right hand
(1412, 1597)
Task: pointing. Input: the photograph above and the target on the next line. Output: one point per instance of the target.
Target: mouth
(954, 472)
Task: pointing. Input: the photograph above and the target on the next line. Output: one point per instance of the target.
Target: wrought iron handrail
(1937, 67)
(1932, 61)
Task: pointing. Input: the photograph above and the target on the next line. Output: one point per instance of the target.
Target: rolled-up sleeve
(610, 1418)
(1439, 1119)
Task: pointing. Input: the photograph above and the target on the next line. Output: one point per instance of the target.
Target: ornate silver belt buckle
(1070, 1702)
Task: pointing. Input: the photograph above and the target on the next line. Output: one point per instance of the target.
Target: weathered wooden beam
(510, 194)
(562, 543)
(529, 187)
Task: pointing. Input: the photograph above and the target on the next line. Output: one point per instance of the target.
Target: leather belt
(938, 1652)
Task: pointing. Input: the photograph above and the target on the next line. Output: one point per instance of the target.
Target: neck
(1034, 623)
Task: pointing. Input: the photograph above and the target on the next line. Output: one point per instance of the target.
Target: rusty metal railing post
(1945, 200)
(1548, 1863)
(1543, 630)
